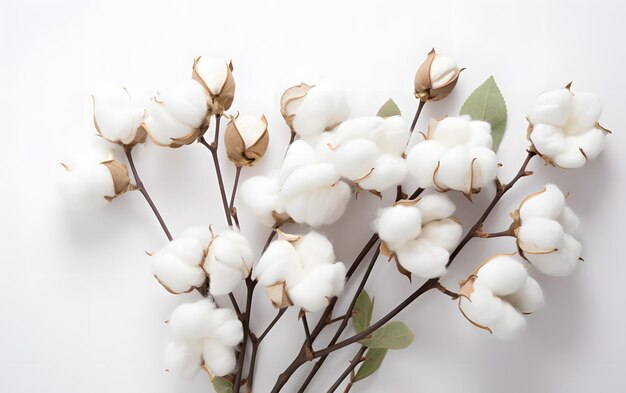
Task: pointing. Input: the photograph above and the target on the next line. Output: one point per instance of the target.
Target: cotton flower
(177, 116)
(203, 336)
(92, 179)
(564, 127)
(185, 262)
(228, 261)
(436, 77)
(216, 77)
(544, 229)
(246, 139)
(118, 114)
(178, 265)
(305, 189)
(301, 271)
(419, 234)
(368, 151)
(498, 295)
(456, 155)
(311, 110)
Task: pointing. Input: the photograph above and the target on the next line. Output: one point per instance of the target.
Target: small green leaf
(374, 359)
(486, 103)
(362, 312)
(222, 385)
(394, 335)
(388, 109)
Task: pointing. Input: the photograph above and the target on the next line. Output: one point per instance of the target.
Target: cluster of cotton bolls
(186, 262)
(498, 295)
(301, 271)
(420, 234)
(545, 226)
(203, 336)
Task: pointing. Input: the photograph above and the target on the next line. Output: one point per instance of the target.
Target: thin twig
(446, 291)
(231, 206)
(235, 305)
(269, 327)
(307, 333)
(256, 342)
(358, 358)
(250, 284)
(420, 106)
(141, 188)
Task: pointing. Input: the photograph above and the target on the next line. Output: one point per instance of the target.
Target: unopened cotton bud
(203, 335)
(228, 261)
(497, 295)
(456, 155)
(419, 234)
(246, 139)
(564, 127)
(544, 227)
(311, 110)
(301, 271)
(436, 77)
(118, 114)
(89, 182)
(216, 77)
(177, 116)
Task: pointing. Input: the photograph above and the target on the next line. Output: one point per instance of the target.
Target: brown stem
(344, 322)
(358, 358)
(417, 114)
(485, 235)
(307, 333)
(235, 305)
(213, 147)
(141, 188)
(446, 291)
(256, 342)
(250, 284)
(231, 206)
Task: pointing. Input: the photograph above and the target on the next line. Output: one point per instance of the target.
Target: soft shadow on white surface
(79, 309)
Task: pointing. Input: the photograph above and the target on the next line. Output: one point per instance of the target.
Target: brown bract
(278, 295)
(121, 180)
(182, 141)
(236, 149)
(424, 90)
(221, 100)
(290, 97)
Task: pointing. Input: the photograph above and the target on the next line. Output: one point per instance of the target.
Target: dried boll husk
(119, 174)
(436, 77)
(246, 139)
(216, 77)
(118, 114)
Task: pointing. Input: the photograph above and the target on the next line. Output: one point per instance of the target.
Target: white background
(79, 309)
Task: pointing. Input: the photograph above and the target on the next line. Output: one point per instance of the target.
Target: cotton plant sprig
(330, 160)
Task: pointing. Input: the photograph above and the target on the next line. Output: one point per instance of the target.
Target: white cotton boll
(538, 235)
(482, 307)
(452, 131)
(443, 70)
(314, 249)
(591, 143)
(585, 112)
(355, 158)
(571, 157)
(202, 233)
(218, 358)
(176, 113)
(435, 207)
(118, 113)
(309, 178)
(319, 207)
(183, 359)
(502, 275)
(398, 224)
(176, 274)
(528, 299)
(228, 261)
(510, 325)
(569, 220)
(546, 204)
(229, 331)
(189, 250)
(561, 262)
(423, 160)
(318, 286)
(393, 135)
(85, 187)
(260, 194)
(278, 263)
(223, 279)
(454, 169)
(480, 135)
(213, 72)
(552, 107)
(389, 171)
(359, 128)
(444, 233)
(484, 164)
(422, 258)
(322, 108)
(192, 321)
(548, 139)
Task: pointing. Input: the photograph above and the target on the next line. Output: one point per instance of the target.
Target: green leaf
(222, 385)
(486, 103)
(374, 359)
(388, 109)
(362, 312)
(394, 335)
